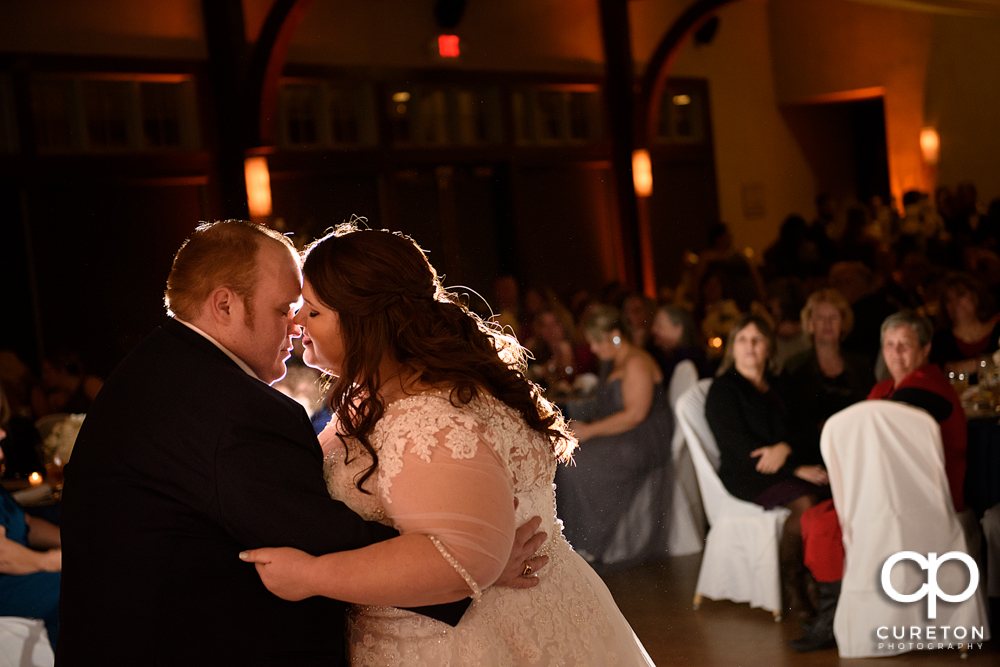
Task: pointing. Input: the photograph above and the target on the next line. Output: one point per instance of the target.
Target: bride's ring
(526, 572)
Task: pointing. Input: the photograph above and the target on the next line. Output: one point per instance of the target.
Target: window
(549, 116)
(302, 114)
(112, 113)
(432, 118)
(682, 116)
(316, 114)
(558, 115)
(53, 107)
(444, 115)
(106, 109)
(344, 106)
(162, 114)
(472, 122)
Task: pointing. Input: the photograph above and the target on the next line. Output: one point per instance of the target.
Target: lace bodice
(452, 473)
(424, 428)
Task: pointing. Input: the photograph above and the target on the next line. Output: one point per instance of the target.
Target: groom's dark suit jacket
(183, 461)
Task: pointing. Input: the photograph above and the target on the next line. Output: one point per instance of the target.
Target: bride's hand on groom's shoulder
(283, 571)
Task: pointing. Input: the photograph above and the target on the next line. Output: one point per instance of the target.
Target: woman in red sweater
(906, 348)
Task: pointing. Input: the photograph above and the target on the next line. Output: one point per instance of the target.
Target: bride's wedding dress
(451, 473)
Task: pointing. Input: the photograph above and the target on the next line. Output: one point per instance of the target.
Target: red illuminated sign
(448, 46)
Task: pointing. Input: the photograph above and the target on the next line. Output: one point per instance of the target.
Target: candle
(34, 479)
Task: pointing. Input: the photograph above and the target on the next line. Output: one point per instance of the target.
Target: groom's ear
(220, 305)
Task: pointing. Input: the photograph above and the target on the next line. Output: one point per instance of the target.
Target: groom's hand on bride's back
(526, 542)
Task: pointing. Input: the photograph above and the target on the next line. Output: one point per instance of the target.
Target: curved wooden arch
(266, 63)
(654, 77)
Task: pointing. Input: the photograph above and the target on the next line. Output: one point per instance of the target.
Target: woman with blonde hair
(824, 379)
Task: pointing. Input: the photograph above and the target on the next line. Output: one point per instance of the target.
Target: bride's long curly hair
(391, 302)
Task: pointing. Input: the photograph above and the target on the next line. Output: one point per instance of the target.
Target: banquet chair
(886, 468)
(24, 643)
(686, 534)
(740, 561)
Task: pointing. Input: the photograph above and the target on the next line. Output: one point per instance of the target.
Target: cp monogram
(930, 590)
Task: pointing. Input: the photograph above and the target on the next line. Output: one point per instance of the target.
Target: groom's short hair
(218, 254)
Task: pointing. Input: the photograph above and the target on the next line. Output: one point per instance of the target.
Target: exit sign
(448, 46)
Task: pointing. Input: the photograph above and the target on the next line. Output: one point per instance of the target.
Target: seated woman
(969, 327)
(30, 561)
(751, 426)
(675, 339)
(824, 379)
(624, 434)
(906, 347)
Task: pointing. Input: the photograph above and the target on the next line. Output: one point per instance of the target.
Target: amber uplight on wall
(930, 145)
(258, 186)
(642, 173)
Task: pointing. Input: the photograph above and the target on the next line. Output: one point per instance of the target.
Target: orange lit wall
(517, 35)
(823, 48)
(754, 149)
(140, 28)
(933, 69)
(963, 101)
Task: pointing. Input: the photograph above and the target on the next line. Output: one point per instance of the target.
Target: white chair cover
(687, 516)
(740, 562)
(685, 376)
(24, 643)
(886, 468)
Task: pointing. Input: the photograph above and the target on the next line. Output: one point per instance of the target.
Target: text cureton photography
(930, 637)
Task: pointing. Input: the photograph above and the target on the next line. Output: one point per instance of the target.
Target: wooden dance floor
(656, 599)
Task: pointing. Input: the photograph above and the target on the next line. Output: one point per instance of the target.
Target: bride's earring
(617, 341)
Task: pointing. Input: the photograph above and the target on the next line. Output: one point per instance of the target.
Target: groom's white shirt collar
(239, 362)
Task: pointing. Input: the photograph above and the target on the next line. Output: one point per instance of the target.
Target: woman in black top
(751, 426)
(824, 379)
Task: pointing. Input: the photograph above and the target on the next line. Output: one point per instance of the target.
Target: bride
(436, 433)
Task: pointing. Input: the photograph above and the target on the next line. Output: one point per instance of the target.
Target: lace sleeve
(440, 477)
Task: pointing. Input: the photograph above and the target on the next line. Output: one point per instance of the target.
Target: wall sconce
(642, 173)
(258, 186)
(930, 145)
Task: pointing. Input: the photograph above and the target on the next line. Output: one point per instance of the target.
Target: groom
(188, 457)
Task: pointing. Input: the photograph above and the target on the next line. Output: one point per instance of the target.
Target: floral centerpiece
(58, 445)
